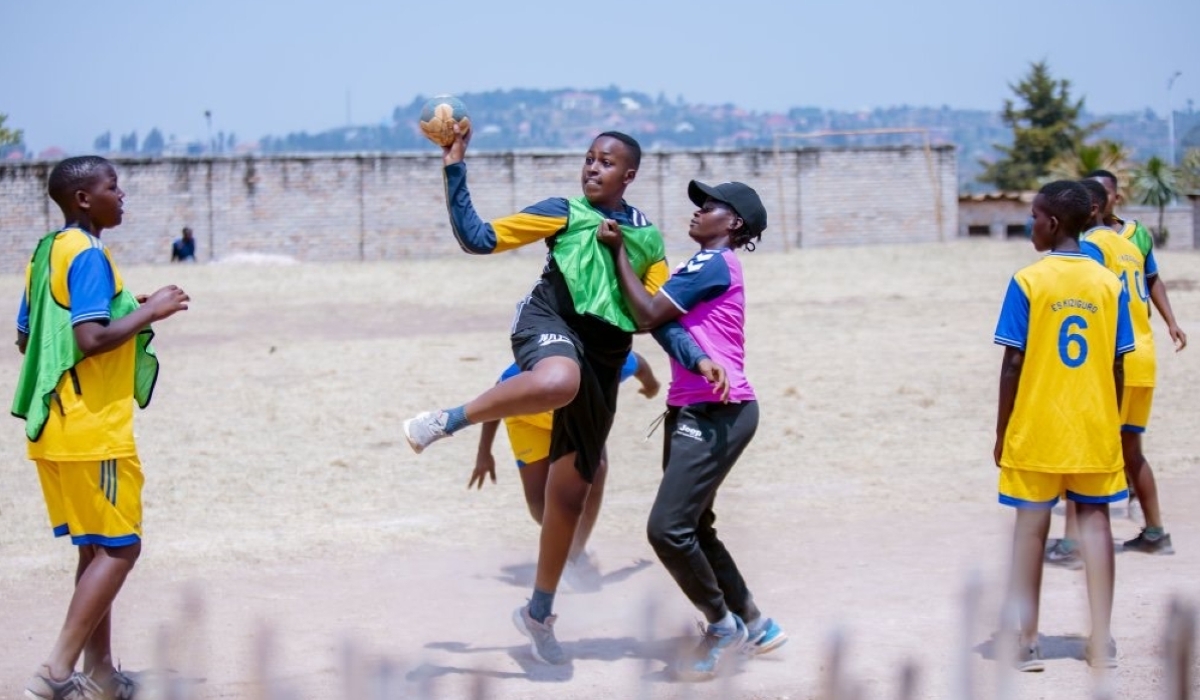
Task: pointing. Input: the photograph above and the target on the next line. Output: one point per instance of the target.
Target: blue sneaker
(703, 662)
(767, 638)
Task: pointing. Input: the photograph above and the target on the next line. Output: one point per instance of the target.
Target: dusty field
(280, 489)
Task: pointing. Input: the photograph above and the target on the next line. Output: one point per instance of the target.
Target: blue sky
(273, 67)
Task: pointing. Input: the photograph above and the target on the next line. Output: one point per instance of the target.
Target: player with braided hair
(705, 432)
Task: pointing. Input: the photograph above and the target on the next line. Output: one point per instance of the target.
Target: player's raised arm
(479, 237)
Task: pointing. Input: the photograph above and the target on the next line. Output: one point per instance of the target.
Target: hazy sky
(70, 70)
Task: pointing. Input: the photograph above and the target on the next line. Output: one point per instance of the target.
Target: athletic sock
(1153, 533)
(540, 605)
(456, 419)
(725, 624)
(1067, 545)
(756, 625)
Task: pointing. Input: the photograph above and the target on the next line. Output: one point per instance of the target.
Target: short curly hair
(72, 175)
(1069, 202)
(1097, 192)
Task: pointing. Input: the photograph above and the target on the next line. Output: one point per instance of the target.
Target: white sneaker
(425, 429)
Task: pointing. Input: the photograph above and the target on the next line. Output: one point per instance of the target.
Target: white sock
(726, 623)
(755, 626)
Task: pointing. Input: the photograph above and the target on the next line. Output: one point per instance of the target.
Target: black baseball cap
(739, 196)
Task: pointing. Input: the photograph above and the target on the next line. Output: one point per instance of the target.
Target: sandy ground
(282, 501)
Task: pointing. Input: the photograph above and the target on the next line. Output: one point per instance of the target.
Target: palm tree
(1155, 184)
(1102, 155)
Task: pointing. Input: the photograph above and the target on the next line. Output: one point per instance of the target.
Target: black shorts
(600, 349)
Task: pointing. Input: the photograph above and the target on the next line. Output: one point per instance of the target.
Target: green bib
(52, 350)
(588, 268)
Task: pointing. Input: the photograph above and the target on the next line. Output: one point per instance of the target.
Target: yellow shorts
(1135, 408)
(98, 503)
(1021, 488)
(530, 441)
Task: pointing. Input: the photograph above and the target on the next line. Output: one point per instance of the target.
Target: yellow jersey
(92, 417)
(1120, 255)
(1067, 315)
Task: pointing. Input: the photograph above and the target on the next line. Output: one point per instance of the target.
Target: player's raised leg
(548, 385)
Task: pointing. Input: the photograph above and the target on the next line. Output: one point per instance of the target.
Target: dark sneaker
(119, 686)
(1059, 555)
(425, 429)
(543, 645)
(76, 687)
(767, 638)
(1029, 659)
(1149, 545)
(1108, 659)
(704, 662)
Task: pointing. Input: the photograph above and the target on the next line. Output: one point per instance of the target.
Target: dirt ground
(291, 533)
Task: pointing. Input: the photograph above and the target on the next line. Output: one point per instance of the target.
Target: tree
(1102, 155)
(1154, 184)
(1189, 172)
(9, 137)
(1045, 126)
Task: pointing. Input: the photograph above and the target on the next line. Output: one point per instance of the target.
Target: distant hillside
(569, 118)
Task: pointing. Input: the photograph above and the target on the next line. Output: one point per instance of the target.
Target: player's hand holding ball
(445, 121)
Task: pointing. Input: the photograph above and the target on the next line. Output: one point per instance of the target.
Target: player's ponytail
(741, 238)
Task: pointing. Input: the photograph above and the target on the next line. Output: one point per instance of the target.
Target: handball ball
(438, 117)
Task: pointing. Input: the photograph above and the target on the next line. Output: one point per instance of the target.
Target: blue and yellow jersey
(539, 222)
(1068, 316)
(1121, 256)
(91, 418)
(1136, 233)
(545, 420)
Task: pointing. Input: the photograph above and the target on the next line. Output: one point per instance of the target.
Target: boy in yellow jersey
(1140, 389)
(1125, 260)
(1135, 232)
(529, 438)
(1065, 328)
(85, 339)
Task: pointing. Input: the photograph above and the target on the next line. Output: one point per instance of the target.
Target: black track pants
(702, 443)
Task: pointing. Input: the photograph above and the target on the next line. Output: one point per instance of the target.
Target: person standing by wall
(184, 247)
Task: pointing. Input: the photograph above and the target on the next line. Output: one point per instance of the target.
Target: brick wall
(387, 206)
(1001, 212)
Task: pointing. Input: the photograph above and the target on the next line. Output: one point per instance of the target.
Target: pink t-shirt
(708, 289)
